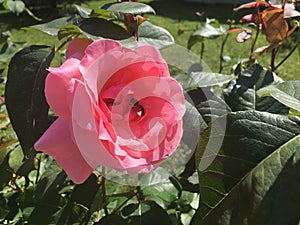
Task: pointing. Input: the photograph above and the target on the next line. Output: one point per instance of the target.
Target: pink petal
(96, 50)
(60, 86)
(57, 142)
(76, 48)
(152, 54)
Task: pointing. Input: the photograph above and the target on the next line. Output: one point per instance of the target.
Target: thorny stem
(38, 168)
(272, 64)
(253, 46)
(222, 50)
(285, 58)
(104, 196)
(226, 38)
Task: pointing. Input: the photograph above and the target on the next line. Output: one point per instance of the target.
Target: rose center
(133, 105)
(137, 107)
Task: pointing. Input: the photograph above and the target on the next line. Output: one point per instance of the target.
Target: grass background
(171, 15)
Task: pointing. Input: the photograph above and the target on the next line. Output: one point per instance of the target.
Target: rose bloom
(116, 108)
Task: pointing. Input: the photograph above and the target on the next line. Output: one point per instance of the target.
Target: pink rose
(116, 108)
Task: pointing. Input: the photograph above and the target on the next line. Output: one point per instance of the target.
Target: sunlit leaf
(154, 35)
(288, 93)
(83, 12)
(209, 31)
(54, 26)
(129, 7)
(202, 79)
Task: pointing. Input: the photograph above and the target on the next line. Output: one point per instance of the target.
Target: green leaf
(15, 6)
(167, 192)
(266, 195)
(241, 93)
(8, 50)
(68, 31)
(54, 26)
(154, 35)
(248, 138)
(202, 79)
(288, 93)
(129, 7)
(24, 93)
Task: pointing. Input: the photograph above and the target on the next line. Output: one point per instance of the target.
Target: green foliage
(241, 93)
(245, 167)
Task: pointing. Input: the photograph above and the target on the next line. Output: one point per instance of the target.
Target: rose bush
(116, 108)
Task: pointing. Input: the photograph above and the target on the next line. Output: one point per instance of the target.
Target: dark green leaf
(268, 194)
(129, 209)
(98, 27)
(90, 186)
(241, 93)
(249, 138)
(24, 93)
(112, 220)
(150, 213)
(129, 7)
(208, 104)
(51, 180)
(154, 35)
(288, 93)
(202, 79)
(6, 174)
